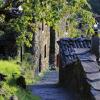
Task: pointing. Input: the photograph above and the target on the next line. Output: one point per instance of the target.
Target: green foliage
(19, 92)
(27, 63)
(1, 3)
(9, 87)
(9, 67)
(21, 25)
(28, 57)
(51, 12)
(27, 67)
(1, 98)
(8, 90)
(79, 12)
(26, 95)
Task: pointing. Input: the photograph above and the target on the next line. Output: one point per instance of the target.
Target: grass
(37, 78)
(26, 95)
(19, 92)
(9, 67)
(9, 86)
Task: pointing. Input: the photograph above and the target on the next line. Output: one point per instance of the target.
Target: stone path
(48, 89)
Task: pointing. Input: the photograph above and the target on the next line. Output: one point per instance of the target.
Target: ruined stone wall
(71, 71)
(44, 46)
(41, 46)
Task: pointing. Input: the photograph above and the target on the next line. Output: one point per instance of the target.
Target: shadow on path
(48, 89)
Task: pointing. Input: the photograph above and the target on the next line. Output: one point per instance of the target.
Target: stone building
(40, 46)
(45, 49)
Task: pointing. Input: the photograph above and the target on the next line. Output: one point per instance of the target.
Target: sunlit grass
(21, 94)
(9, 86)
(9, 67)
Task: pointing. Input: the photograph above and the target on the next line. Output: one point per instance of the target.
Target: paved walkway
(48, 89)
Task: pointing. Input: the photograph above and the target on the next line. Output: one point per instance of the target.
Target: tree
(77, 12)
(80, 14)
(13, 17)
(49, 11)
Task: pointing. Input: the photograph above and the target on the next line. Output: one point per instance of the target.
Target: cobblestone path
(48, 89)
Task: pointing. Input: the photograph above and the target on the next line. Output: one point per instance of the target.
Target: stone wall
(71, 72)
(41, 47)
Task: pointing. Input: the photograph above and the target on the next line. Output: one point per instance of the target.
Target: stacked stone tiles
(67, 51)
(87, 59)
(72, 71)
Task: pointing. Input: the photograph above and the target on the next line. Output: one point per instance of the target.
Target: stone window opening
(42, 27)
(45, 51)
(40, 63)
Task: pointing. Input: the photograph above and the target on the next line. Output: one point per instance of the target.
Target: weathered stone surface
(93, 76)
(48, 89)
(94, 92)
(40, 49)
(97, 97)
(81, 50)
(90, 67)
(84, 77)
(95, 85)
(73, 77)
(93, 57)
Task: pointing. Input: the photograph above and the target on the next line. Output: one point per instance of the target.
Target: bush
(26, 95)
(27, 60)
(9, 87)
(1, 98)
(28, 67)
(17, 91)
(9, 68)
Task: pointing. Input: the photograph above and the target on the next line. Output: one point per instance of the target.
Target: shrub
(9, 68)
(1, 98)
(9, 87)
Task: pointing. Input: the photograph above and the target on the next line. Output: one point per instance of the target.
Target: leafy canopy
(51, 12)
